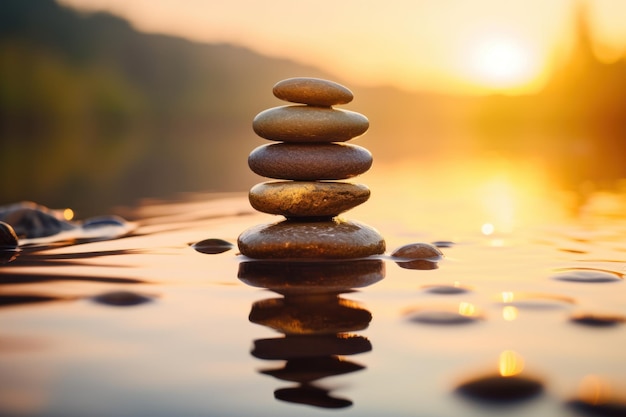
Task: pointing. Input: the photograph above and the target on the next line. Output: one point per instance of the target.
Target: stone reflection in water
(316, 322)
(508, 386)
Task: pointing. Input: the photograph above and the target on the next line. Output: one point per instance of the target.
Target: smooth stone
(414, 251)
(333, 239)
(301, 123)
(307, 199)
(499, 389)
(310, 162)
(597, 320)
(30, 220)
(212, 246)
(8, 238)
(122, 299)
(312, 91)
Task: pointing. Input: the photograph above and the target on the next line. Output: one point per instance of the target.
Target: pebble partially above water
(334, 239)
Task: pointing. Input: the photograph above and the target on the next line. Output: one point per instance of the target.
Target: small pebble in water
(212, 246)
(465, 313)
(122, 299)
(497, 389)
(598, 397)
(8, 238)
(446, 289)
(588, 276)
(104, 221)
(597, 320)
(443, 243)
(414, 251)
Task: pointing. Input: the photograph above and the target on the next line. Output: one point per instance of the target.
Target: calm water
(524, 315)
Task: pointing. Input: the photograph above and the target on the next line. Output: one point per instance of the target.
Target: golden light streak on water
(510, 313)
(467, 309)
(510, 363)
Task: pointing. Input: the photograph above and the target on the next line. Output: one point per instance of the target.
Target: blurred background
(107, 102)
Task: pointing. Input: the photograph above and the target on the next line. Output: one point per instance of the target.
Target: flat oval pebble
(312, 91)
(334, 239)
(122, 299)
(311, 395)
(588, 276)
(310, 162)
(446, 289)
(597, 320)
(212, 246)
(441, 317)
(307, 199)
(499, 389)
(309, 124)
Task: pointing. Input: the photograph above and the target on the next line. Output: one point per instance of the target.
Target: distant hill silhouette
(94, 113)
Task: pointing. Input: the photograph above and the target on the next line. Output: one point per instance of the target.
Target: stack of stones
(309, 157)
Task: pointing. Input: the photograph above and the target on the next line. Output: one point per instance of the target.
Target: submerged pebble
(212, 246)
(588, 276)
(499, 389)
(122, 298)
(597, 396)
(446, 289)
(465, 314)
(597, 320)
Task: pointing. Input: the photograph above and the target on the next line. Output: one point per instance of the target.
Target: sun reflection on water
(510, 313)
(510, 363)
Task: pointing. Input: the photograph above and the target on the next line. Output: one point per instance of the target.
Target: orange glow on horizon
(477, 47)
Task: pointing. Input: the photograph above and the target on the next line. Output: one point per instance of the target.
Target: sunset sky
(470, 46)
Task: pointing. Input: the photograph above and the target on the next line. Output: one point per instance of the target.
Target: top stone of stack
(312, 91)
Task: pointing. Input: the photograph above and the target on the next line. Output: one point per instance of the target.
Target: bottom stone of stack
(331, 239)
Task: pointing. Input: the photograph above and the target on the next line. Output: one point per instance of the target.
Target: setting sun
(503, 63)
